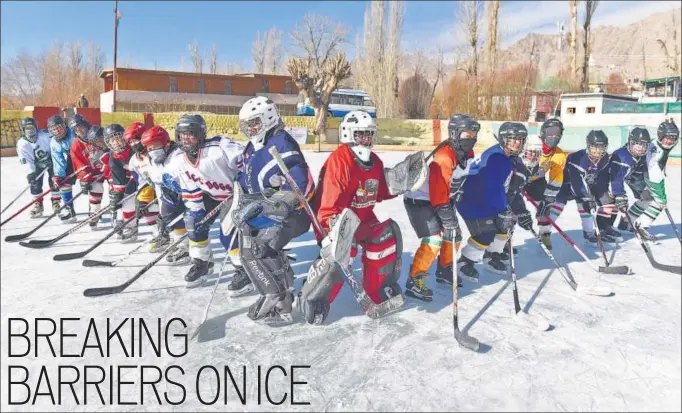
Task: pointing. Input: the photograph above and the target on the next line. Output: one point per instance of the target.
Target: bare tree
(213, 61)
(197, 58)
(573, 9)
(231, 69)
(183, 64)
(273, 51)
(379, 55)
(671, 56)
(493, 10)
(590, 8)
(470, 13)
(321, 66)
(258, 52)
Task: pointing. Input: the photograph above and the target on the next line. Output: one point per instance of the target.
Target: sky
(156, 34)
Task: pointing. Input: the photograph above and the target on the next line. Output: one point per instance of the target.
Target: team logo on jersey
(367, 195)
(209, 184)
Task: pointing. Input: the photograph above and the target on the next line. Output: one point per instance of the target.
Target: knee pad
(382, 259)
(269, 270)
(146, 195)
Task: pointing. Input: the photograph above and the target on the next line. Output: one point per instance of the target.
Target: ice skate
(416, 287)
(241, 283)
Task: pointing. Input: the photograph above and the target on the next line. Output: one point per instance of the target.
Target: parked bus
(342, 102)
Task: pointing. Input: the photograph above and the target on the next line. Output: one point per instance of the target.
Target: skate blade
(196, 283)
(470, 279)
(238, 293)
(492, 269)
(409, 293)
(279, 320)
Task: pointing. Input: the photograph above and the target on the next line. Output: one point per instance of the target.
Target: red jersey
(80, 156)
(345, 183)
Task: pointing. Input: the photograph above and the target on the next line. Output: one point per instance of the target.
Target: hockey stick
(462, 338)
(215, 287)
(593, 212)
(368, 306)
(42, 243)
(114, 231)
(602, 292)
(99, 291)
(618, 269)
(96, 263)
(21, 193)
(672, 224)
(529, 319)
(39, 197)
(645, 247)
(19, 237)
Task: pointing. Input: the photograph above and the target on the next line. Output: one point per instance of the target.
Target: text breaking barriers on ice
(132, 361)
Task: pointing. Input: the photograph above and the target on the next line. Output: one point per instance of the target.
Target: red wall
(93, 115)
(42, 113)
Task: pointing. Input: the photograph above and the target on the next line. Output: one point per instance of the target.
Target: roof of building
(599, 95)
(109, 72)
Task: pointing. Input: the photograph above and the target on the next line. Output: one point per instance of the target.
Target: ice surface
(616, 353)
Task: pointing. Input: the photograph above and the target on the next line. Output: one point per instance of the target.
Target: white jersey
(213, 174)
(34, 157)
(152, 173)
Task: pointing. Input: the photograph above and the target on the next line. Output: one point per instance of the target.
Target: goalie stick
(368, 306)
(616, 269)
(116, 289)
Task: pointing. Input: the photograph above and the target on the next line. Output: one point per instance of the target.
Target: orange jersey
(344, 183)
(436, 188)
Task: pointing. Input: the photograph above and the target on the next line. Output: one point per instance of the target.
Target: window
(173, 85)
(336, 99)
(287, 87)
(202, 86)
(366, 101)
(570, 110)
(265, 86)
(228, 87)
(589, 109)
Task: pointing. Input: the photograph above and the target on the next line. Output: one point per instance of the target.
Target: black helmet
(113, 138)
(80, 126)
(192, 125)
(638, 142)
(597, 143)
(458, 124)
(551, 132)
(512, 131)
(29, 129)
(57, 127)
(95, 136)
(668, 129)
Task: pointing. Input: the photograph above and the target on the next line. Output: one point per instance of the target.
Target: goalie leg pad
(381, 259)
(323, 276)
(268, 269)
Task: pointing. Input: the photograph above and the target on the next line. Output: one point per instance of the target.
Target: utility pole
(113, 106)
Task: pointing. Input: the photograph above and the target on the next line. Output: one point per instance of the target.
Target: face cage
(522, 147)
(675, 138)
(78, 128)
(591, 148)
(190, 148)
(247, 125)
(531, 157)
(58, 131)
(30, 132)
(116, 142)
(364, 137)
(642, 152)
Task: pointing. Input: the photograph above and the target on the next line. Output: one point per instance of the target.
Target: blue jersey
(625, 168)
(261, 170)
(579, 166)
(484, 193)
(61, 157)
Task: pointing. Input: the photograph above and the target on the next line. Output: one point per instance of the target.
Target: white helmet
(354, 122)
(532, 152)
(257, 117)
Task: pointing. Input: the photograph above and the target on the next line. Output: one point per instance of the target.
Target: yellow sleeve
(555, 174)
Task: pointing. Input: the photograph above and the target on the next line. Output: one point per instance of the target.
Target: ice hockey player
(592, 165)
(353, 178)
(431, 213)
(86, 151)
(60, 146)
(544, 185)
(483, 202)
(645, 176)
(205, 175)
(270, 214)
(150, 167)
(33, 149)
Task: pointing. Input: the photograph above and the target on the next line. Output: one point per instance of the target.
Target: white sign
(299, 134)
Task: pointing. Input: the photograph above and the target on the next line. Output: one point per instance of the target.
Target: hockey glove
(86, 187)
(622, 203)
(31, 177)
(449, 222)
(261, 214)
(525, 221)
(589, 205)
(545, 206)
(505, 221)
(456, 189)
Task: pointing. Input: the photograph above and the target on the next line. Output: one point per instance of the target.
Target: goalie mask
(358, 130)
(258, 120)
(531, 154)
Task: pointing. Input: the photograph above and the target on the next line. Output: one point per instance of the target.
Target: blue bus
(342, 102)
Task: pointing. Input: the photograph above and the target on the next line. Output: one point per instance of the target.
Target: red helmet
(157, 135)
(134, 131)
